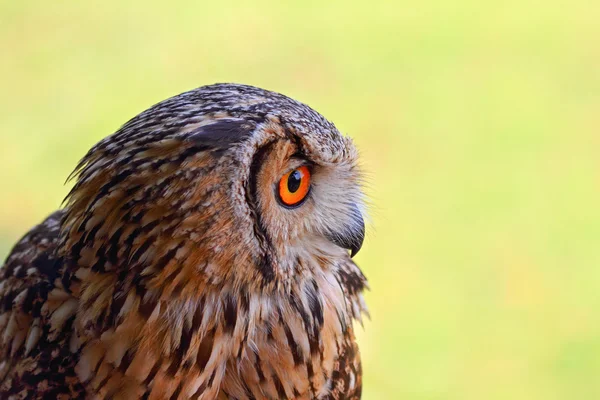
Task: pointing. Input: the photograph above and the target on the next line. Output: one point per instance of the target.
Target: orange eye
(294, 186)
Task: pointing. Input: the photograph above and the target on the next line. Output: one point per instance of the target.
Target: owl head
(232, 184)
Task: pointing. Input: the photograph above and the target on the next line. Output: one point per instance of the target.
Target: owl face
(308, 206)
(245, 186)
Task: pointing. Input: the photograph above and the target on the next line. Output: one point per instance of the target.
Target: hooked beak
(353, 236)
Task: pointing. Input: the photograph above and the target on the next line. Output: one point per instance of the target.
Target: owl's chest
(290, 354)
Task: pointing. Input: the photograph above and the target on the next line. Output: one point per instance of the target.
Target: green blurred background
(478, 122)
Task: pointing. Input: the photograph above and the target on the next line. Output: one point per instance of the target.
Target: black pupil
(294, 180)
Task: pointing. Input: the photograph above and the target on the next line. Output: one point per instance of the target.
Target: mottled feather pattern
(173, 273)
(36, 318)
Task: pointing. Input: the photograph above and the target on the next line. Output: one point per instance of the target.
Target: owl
(204, 252)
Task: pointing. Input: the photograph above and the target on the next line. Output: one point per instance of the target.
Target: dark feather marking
(184, 346)
(259, 371)
(353, 280)
(279, 386)
(164, 260)
(146, 308)
(190, 151)
(205, 350)
(212, 378)
(230, 314)
(126, 361)
(298, 306)
(314, 302)
(152, 373)
(113, 246)
(266, 264)
(222, 133)
(294, 347)
(129, 242)
(151, 225)
(115, 307)
(47, 265)
(197, 320)
(143, 248)
(200, 390)
(175, 394)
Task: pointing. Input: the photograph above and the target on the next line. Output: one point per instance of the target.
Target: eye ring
(294, 186)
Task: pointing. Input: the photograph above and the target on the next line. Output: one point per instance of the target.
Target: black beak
(353, 236)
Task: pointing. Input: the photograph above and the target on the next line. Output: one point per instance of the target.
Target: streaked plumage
(175, 272)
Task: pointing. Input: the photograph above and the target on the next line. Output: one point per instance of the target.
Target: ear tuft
(222, 133)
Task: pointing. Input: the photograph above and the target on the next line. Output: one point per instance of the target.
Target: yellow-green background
(478, 121)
